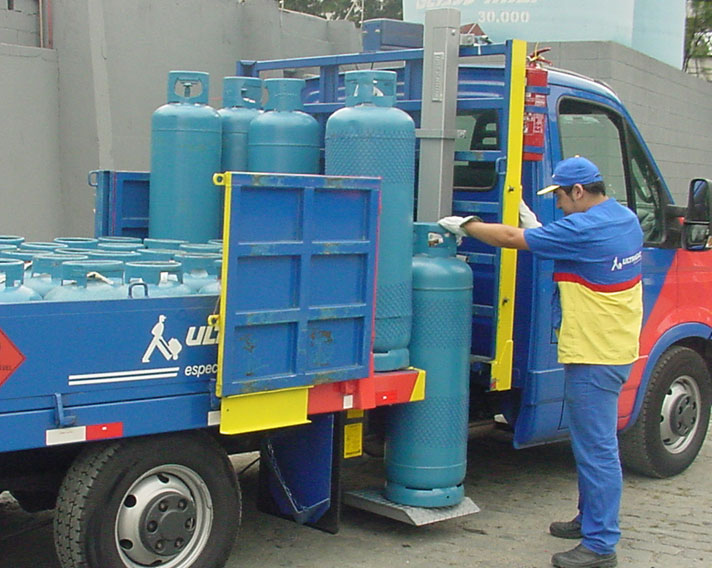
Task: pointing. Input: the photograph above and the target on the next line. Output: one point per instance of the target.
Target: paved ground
(666, 523)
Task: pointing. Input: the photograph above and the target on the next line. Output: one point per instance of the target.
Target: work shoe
(565, 529)
(582, 557)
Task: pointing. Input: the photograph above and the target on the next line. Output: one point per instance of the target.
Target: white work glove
(454, 224)
(527, 219)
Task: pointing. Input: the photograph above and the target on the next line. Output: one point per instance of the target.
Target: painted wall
(655, 27)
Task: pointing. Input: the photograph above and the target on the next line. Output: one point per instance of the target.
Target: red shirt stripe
(617, 287)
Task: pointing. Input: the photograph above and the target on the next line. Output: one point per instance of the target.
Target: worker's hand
(454, 225)
(527, 219)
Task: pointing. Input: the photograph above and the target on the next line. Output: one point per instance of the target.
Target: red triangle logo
(10, 357)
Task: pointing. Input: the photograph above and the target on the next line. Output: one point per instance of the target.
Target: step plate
(373, 501)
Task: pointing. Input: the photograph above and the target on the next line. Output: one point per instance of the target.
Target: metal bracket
(63, 419)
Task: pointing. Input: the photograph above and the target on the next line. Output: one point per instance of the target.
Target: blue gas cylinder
(14, 291)
(199, 269)
(92, 279)
(119, 246)
(78, 242)
(186, 138)
(283, 139)
(201, 247)
(156, 254)
(119, 239)
(242, 99)
(41, 246)
(26, 256)
(11, 240)
(170, 244)
(120, 255)
(426, 441)
(6, 248)
(214, 287)
(369, 137)
(46, 271)
(155, 279)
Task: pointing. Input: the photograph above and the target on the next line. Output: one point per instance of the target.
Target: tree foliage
(698, 32)
(347, 9)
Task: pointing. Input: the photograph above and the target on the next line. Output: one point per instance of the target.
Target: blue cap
(572, 171)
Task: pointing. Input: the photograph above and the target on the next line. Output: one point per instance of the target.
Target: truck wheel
(673, 420)
(170, 500)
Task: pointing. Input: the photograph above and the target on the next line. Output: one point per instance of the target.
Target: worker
(596, 249)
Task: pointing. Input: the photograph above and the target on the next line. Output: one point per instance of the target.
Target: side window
(601, 135)
(481, 129)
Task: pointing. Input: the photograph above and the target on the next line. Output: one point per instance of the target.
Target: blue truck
(129, 441)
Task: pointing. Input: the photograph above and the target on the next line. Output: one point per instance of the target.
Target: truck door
(607, 137)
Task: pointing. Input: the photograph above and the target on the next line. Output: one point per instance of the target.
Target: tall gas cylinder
(242, 100)
(426, 441)
(186, 140)
(13, 291)
(283, 139)
(369, 137)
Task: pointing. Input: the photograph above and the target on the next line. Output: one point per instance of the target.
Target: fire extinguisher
(537, 88)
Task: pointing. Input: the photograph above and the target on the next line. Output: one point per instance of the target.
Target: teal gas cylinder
(11, 240)
(202, 247)
(283, 139)
(6, 248)
(426, 441)
(214, 287)
(26, 256)
(120, 246)
(119, 239)
(154, 279)
(78, 242)
(156, 254)
(369, 137)
(12, 291)
(242, 99)
(120, 255)
(73, 251)
(92, 279)
(46, 271)
(170, 244)
(199, 269)
(186, 139)
(41, 246)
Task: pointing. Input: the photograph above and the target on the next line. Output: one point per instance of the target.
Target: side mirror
(697, 227)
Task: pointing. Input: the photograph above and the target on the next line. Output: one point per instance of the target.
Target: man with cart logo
(169, 349)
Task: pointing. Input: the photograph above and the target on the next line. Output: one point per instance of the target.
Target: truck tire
(168, 500)
(672, 424)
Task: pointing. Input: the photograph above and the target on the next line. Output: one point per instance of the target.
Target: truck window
(481, 133)
(600, 134)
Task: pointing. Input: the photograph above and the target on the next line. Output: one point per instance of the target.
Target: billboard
(654, 27)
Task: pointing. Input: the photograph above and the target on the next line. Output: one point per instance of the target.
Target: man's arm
(496, 234)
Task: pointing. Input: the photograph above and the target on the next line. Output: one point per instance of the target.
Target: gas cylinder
(242, 99)
(14, 291)
(11, 240)
(119, 239)
(6, 248)
(186, 138)
(283, 138)
(120, 246)
(426, 441)
(120, 255)
(46, 271)
(166, 244)
(26, 256)
(41, 246)
(156, 254)
(92, 279)
(78, 242)
(154, 279)
(199, 269)
(73, 251)
(201, 247)
(369, 137)
(214, 287)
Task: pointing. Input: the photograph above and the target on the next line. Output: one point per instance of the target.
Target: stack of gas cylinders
(78, 268)
(424, 295)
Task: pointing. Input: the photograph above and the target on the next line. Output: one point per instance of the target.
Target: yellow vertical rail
(223, 179)
(501, 372)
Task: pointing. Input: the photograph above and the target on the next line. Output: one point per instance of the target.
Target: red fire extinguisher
(537, 88)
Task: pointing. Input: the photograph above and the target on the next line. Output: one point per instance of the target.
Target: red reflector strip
(384, 397)
(102, 431)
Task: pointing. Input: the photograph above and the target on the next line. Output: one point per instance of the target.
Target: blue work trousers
(592, 403)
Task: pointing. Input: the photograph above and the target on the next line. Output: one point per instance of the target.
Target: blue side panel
(300, 281)
(106, 353)
(121, 203)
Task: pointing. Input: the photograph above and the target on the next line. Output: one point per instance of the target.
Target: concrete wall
(672, 109)
(21, 24)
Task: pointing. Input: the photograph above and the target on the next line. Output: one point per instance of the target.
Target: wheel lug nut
(179, 543)
(160, 545)
(152, 526)
(163, 506)
(182, 504)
